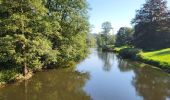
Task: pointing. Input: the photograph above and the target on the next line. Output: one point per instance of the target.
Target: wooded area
(149, 38)
(36, 34)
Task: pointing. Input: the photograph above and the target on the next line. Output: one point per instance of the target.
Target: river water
(101, 76)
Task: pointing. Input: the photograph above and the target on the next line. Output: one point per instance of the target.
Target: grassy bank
(159, 58)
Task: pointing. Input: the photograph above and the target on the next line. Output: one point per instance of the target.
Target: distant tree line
(151, 27)
(35, 34)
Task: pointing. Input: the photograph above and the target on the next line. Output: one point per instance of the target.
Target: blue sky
(118, 12)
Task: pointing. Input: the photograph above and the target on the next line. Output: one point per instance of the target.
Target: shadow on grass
(162, 53)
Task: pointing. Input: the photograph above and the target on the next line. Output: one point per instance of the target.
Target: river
(101, 76)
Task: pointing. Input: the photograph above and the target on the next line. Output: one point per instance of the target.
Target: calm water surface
(101, 76)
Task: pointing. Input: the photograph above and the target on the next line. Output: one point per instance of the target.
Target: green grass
(118, 49)
(161, 57)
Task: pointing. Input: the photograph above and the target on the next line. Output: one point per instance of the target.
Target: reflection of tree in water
(124, 65)
(106, 57)
(150, 83)
(59, 84)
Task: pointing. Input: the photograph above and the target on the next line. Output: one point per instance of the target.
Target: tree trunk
(25, 69)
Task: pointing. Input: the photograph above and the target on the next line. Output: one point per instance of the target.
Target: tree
(22, 40)
(19, 38)
(106, 26)
(74, 26)
(111, 39)
(104, 38)
(152, 25)
(91, 40)
(124, 36)
(36, 34)
(100, 40)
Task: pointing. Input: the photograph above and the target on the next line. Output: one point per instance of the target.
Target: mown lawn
(161, 56)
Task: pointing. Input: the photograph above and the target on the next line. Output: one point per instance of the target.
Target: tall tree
(151, 25)
(39, 33)
(72, 16)
(23, 39)
(106, 26)
(124, 36)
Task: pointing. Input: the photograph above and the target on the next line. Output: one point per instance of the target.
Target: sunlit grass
(161, 56)
(117, 49)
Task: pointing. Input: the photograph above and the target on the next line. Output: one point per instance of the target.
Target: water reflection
(63, 84)
(108, 78)
(150, 83)
(107, 58)
(124, 66)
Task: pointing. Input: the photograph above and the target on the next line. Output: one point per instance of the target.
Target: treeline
(36, 34)
(149, 39)
(151, 27)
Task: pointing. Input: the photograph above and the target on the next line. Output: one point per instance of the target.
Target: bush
(131, 53)
(7, 75)
(108, 48)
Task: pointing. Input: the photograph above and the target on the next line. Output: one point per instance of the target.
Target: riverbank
(10, 76)
(158, 58)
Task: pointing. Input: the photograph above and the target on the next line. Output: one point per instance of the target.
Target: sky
(118, 12)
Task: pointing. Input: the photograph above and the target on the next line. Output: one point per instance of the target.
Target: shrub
(131, 53)
(7, 75)
(108, 48)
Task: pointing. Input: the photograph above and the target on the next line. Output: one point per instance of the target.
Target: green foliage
(152, 30)
(130, 53)
(111, 40)
(74, 26)
(103, 40)
(110, 46)
(158, 58)
(36, 34)
(7, 75)
(91, 40)
(118, 49)
(100, 40)
(106, 26)
(124, 36)
(23, 41)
